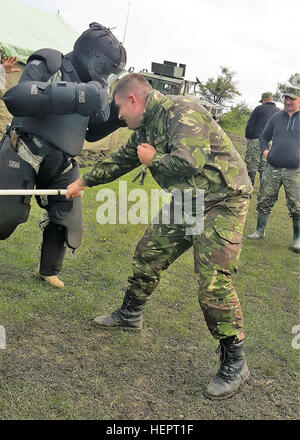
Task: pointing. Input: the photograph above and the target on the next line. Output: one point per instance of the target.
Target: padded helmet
(98, 53)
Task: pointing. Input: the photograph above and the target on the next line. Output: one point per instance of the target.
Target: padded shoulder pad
(53, 58)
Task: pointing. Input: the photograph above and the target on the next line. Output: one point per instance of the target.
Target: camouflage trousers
(216, 256)
(272, 181)
(255, 161)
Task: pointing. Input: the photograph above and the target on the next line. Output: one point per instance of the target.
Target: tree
(236, 119)
(219, 90)
(283, 87)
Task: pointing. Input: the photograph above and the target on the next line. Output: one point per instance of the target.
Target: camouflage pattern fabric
(262, 164)
(33, 159)
(255, 161)
(193, 152)
(273, 179)
(216, 256)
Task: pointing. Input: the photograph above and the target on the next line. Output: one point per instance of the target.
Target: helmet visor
(100, 67)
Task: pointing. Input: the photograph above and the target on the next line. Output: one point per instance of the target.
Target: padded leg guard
(53, 250)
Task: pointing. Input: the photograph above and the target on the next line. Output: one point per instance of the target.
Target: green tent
(24, 30)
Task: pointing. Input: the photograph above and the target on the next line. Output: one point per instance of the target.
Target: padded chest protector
(65, 131)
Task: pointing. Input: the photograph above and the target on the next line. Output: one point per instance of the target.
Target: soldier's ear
(132, 98)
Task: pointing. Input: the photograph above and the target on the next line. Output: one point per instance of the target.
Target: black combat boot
(261, 176)
(233, 370)
(262, 220)
(128, 316)
(252, 174)
(296, 228)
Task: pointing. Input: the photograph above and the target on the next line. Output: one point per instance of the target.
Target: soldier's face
(291, 105)
(131, 110)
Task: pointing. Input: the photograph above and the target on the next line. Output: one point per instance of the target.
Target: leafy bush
(236, 119)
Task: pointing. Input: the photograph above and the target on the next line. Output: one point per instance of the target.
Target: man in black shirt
(283, 163)
(255, 125)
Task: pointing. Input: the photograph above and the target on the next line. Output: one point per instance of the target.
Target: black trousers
(64, 226)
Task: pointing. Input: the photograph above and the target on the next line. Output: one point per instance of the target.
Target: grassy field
(56, 366)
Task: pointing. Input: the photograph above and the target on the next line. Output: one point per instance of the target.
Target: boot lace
(116, 315)
(226, 371)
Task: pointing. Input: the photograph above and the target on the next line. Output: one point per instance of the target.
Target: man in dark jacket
(255, 125)
(60, 101)
(283, 163)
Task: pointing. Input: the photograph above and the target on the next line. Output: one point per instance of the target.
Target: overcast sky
(258, 39)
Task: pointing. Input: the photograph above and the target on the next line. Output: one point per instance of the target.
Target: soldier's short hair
(132, 83)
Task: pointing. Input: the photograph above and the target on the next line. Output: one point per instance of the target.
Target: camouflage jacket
(192, 151)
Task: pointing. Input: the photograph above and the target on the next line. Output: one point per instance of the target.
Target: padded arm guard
(35, 98)
(99, 128)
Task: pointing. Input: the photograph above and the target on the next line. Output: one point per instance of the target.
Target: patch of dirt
(5, 118)
(96, 374)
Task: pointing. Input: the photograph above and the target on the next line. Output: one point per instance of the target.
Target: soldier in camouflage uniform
(254, 160)
(283, 164)
(184, 148)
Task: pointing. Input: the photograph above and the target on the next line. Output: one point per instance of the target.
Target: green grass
(57, 366)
